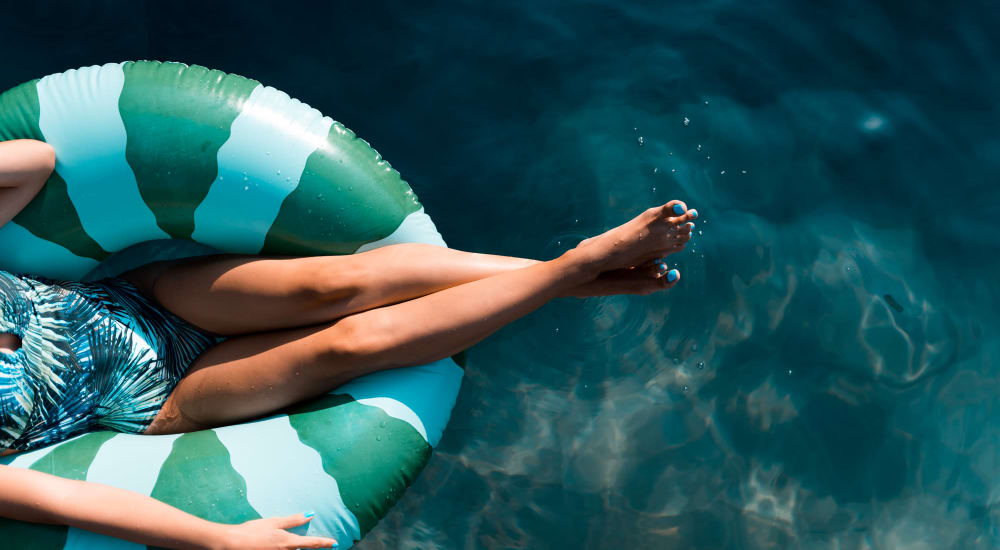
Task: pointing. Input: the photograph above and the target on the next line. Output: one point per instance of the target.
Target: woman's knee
(363, 339)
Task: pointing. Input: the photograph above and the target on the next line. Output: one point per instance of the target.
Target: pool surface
(823, 377)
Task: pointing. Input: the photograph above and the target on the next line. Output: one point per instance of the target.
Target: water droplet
(701, 365)
(245, 178)
(743, 171)
(706, 102)
(577, 220)
(670, 154)
(709, 157)
(378, 438)
(641, 141)
(722, 172)
(655, 169)
(789, 373)
(685, 388)
(382, 424)
(654, 189)
(698, 148)
(848, 268)
(557, 330)
(246, 187)
(872, 123)
(699, 231)
(673, 169)
(687, 121)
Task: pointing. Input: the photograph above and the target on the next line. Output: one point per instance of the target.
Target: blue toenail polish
(678, 209)
(673, 275)
(694, 213)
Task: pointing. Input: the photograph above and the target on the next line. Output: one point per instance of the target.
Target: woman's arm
(28, 495)
(25, 165)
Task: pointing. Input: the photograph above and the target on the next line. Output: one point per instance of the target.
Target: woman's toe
(675, 208)
(683, 217)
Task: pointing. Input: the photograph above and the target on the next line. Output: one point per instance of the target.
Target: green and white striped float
(197, 160)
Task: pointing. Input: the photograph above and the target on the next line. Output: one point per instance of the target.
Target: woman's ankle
(578, 267)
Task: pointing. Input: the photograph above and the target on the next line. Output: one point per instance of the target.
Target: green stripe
(71, 460)
(19, 535)
(347, 196)
(362, 448)
(198, 477)
(177, 117)
(19, 113)
(50, 215)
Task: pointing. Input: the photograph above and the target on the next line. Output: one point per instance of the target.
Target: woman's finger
(312, 542)
(287, 522)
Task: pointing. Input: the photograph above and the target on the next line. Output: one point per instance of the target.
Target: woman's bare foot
(642, 279)
(656, 233)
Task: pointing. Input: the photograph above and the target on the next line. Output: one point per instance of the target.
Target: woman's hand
(270, 534)
(27, 495)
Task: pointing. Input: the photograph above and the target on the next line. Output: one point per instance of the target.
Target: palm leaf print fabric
(93, 355)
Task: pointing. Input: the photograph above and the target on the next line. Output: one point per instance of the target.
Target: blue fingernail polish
(673, 275)
(678, 209)
(692, 225)
(694, 213)
(309, 514)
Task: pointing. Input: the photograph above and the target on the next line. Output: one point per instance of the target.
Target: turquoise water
(824, 375)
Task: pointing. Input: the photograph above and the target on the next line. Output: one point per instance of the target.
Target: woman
(295, 328)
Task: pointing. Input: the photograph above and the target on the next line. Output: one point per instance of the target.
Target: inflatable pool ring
(166, 160)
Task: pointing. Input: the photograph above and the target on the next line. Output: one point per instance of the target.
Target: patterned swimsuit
(93, 355)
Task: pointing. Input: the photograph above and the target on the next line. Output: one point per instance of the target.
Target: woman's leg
(233, 295)
(249, 376)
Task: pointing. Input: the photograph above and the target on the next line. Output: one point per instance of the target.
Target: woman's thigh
(236, 294)
(246, 377)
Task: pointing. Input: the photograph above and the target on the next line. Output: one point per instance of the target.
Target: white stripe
(415, 228)
(285, 477)
(23, 251)
(79, 117)
(259, 165)
(129, 462)
(25, 460)
(422, 396)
